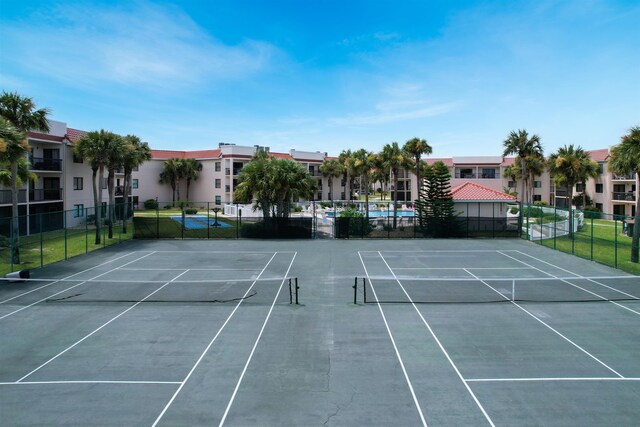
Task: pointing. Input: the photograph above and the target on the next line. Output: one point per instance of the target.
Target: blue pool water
(199, 221)
(384, 214)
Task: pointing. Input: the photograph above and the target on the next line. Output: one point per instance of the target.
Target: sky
(330, 75)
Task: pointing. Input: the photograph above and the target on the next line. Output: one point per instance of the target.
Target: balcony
(465, 175)
(41, 195)
(627, 177)
(236, 171)
(5, 196)
(42, 164)
(625, 197)
(227, 171)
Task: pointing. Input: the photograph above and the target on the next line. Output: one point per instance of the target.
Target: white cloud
(146, 45)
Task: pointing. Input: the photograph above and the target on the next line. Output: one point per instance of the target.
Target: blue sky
(330, 75)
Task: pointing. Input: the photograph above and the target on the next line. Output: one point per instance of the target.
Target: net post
(355, 290)
(297, 288)
(290, 294)
(364, 289)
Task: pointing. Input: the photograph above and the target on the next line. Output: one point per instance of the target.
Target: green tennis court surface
(453, 332)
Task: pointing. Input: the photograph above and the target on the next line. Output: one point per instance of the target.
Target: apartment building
(64, 182)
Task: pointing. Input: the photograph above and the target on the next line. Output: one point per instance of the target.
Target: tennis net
(494, 290)
(68, 291)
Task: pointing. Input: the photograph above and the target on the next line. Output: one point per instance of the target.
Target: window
(218, 200)
(511, 184)
(537, 184)
(77, 183)
(76, 158)
(218, 183)
(599, 206)
(601, 168)
(579, 188)
(537, 198)
(488, 173)
(104, 183)
(599, 188)
(134, 183)
(78, 211)
(218, 166)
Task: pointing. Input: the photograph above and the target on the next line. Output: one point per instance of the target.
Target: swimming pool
(382, 214)
(199, 221)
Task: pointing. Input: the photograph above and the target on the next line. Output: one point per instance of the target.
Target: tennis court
(453, 332)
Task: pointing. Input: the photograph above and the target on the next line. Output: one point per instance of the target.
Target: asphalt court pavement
(88, 350)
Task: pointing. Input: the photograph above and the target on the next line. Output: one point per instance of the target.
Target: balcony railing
(626, 196)
(42, 164)
(627, 177)
(466, 175)
(42, 194)
(481, 175)
(236, 171)
(5, 196)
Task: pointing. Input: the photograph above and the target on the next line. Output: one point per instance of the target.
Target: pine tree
(437, 209)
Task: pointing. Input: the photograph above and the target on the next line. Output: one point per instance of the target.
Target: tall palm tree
(348, 161)
(589, 169)
(522, 145)
(513, 172)
(190, 171)
(416, 147)
(254, 185)
(395, 159)
(171, 175)
(331, 169)
(21, 112)
(115, 161)
(94, 147)
(136, 152)
(381, 173)
(565, 167)
(362, 165)
(535, 166)
(624, 159)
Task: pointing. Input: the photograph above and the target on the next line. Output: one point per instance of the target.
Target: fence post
(41, 242)
(615, 241)
(157, 219)
(573, 240)
(591, 235)
(555, 225)
(86, 231)
(64, 225)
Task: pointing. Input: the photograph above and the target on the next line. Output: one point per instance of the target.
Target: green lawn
(598, 240)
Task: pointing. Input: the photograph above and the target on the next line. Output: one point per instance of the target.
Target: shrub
(150, 204)
(514, 210)
(191, 211)
(297, 209)
(358, 225)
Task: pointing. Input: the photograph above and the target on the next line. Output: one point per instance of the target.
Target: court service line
(264, 324)
(579, 287)
(193, 368)
(71, 287)
(89, 382)
(461, 268)
(99, 328)
(501, 380)
(68, 277)
(550, 327)
(585, 278)
(192, 269)
(437, 340)
(437, 252)
(395, 347)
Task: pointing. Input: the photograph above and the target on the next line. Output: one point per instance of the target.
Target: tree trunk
(366, 195)
(97, 200)
(584, 195)
(571, 219)
(125, 196)
(188, 185)
(395, 198)
(15, 220)
(636, 224)
(524, 179)
(112, 200)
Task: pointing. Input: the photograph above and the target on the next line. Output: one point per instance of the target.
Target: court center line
(99, 328)
(89, 382)
(551, 379)
(193, 368)
(437, 340)
(550, 327)
(395, 347)
(68, 277)
(584, 278)
(264, 324)
(71, 287)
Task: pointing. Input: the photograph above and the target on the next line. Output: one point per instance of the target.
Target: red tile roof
(447, 161)
(470, 191)
(599, 155)
(172, 154)
(74, 135)
(45, 136)
(281, 155)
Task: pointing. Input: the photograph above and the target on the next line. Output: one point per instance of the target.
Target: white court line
(395, 347)
(71, 287)
(550, 327)
(264, 324)
(579, 287)
(193, 368)
(68, 277)
(437, 252)
(192, 269)
(88, 382)
(501, 380)
(461, 268)
(98, 329)
(225, 252)
(444, 351)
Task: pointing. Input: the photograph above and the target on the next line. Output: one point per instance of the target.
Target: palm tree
(94, 147)
(21, 113)
(520, 144)
(136, 152)
(190, 171)
(535, 166)
(415, 148)
(331, 169)
(513, 172)
(625, 158)
(253, 183)
(381, 173)
(171, 175)
(115, 161)
(347, 160)
(565, 168)
(589, 169)
(362, 164)
(395, 158)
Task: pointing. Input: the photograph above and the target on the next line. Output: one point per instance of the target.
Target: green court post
(157, 219)
(355, 290)
(591, 236)
(41, 242)
(615, 241)
(64, 225)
